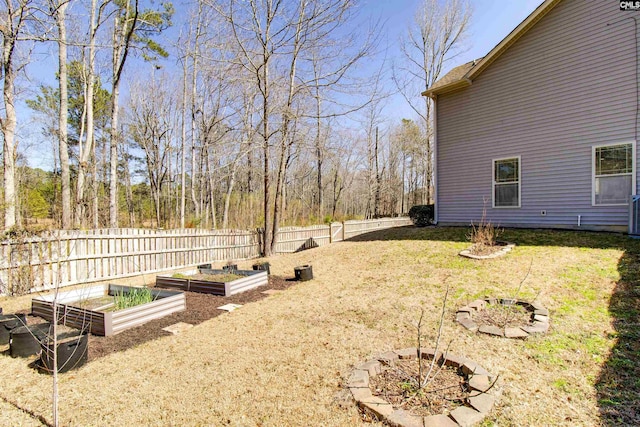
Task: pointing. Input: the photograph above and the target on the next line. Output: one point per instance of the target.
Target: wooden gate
(337, 231)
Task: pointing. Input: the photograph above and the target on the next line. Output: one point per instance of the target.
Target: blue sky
(492, 20)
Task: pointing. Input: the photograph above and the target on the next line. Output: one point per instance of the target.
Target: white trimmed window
(506, 183)
(614, 174)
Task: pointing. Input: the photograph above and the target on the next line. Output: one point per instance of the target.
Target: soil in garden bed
(397, 385)
(200, 307)
(503, 316)
(222, 277)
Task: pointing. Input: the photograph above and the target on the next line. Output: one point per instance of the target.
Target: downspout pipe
(435, 158)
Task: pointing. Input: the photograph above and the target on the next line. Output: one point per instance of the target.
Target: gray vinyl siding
(568, 84)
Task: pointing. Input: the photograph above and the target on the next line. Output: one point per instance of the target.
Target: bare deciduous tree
(435, 38)
(13, 20)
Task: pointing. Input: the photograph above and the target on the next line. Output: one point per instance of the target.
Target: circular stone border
(480, 402)
(539, 323)
(505, 247)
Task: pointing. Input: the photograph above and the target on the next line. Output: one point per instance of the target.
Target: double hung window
(506, 183)
(613, 174)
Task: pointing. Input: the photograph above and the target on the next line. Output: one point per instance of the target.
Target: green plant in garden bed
(135, 297)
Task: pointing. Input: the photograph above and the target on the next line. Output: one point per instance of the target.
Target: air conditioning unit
(634, 215)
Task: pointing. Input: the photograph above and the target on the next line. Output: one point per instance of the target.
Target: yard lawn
(284, 360)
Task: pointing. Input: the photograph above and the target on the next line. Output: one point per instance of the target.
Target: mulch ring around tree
(460, 392)
(200, 307)
(504, 317)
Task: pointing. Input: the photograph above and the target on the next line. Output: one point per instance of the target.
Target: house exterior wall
(568, 84)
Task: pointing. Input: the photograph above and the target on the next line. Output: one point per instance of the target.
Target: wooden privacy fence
(296, 239)
(73, 256)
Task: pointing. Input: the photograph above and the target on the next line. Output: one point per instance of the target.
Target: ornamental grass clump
(132, 298)
(484, 235)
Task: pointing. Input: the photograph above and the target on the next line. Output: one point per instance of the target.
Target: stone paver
(430, 353)
(491, 330)
(466, 417)
(469, 324)
(372, 366)
(536, 328)
(472, 368)
(482, 402)
(407, 353)
(479, 382)
(515, 333)
(388, 358)
(378, 406)
(402, 418)
(463, 315)
(454, 360)
(541, 311)
(478, 304)
(358, 378)
(229, 307)
(360, 394)
(176, 328)
(541, 318)
(439, 421)
(537, 306)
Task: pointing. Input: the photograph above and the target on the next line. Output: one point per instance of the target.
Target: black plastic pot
(25, 340)
(9, 322)
(303, 273)
(204, 267)
(262, 266)
(72, 351)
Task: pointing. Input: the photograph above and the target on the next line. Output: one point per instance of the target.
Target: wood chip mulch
(200, 307)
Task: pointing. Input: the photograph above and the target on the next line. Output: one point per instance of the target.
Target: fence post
(260, 232)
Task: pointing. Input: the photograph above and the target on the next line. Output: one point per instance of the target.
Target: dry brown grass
(282, 361)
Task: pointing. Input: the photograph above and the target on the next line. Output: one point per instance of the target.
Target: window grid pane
(506, 170)
(615, 159)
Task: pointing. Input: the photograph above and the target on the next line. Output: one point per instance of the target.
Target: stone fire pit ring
(538, 324)
(479, 404)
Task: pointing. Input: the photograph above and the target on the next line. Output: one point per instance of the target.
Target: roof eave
(459, 84)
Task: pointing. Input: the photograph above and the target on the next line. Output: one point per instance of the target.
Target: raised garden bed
(250, 279)
(77, 308)
(504, 317)
(475, 382)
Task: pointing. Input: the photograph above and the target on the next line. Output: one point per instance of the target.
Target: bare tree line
(270, 112)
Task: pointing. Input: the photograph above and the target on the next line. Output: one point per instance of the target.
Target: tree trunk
(183, 146)
(63, 136)
(9, 129)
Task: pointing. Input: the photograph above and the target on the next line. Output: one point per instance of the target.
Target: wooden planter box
(106, 323)
(251, 280)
